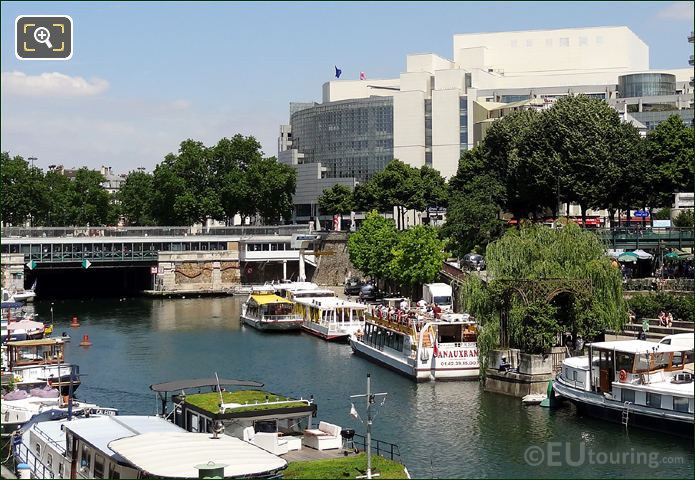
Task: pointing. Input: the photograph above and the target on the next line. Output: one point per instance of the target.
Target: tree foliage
(538, 253)
(337, 199)
(371, 247)
(135, 197)
(417, 256)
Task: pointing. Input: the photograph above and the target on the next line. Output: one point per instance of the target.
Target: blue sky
(145, 76)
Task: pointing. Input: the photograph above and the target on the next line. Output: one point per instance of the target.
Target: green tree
(417, 256)
(135, 197)
(476, 195)
(61, 207)
(23, 193)
(537, 253)
(398, 185)
(670, 156)
(91, 202)
(371, 247)
(272, 185)
(684, 219)
(335, 200)
(433, 190)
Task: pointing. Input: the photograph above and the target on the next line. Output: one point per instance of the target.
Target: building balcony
(691, 37)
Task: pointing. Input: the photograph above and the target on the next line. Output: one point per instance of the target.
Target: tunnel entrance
(93, 282)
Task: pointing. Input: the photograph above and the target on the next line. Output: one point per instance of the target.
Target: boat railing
(58, 447)
(575, 383)
(380, 447)
(279, 318)
(38, 469)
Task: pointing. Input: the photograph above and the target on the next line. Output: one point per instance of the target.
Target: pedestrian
(437, 311)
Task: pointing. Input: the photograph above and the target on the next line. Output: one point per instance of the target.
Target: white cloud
(677, 11)
(51, 84)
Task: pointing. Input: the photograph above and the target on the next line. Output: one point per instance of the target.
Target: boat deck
(307, 453)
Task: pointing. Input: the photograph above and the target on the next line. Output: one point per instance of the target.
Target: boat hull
(323, 331)
(654, 419)
(272, 326)
(418, 370)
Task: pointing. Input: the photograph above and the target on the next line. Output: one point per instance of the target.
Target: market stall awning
(642, 255)
(628, 257)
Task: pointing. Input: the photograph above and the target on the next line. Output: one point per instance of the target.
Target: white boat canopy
(637, 346)
(175, 455)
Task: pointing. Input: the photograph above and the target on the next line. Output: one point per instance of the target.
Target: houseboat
(633, 382)
(420, 347)
(239, 413)
(265, 310)
(36, 363)
(330, 318)
(137, 447)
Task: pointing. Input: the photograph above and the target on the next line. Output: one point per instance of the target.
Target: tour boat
(422, 348)
(265, 310)
(330, 318)
(35, 363)
(634, 382)
(107, 446)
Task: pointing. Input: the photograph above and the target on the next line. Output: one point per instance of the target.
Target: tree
(433, 191)
(135, 197)
(417, 256)
(370, 247)
(335, 200)
(475, 201)
(92, 202)
(61, 207)
(272, 185)
(23, 195)
(685, 219)
(535, 254)
(670, 156)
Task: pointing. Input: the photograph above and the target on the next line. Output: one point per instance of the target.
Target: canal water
(443, 429)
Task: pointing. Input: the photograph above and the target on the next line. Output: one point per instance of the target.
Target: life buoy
(622, 375)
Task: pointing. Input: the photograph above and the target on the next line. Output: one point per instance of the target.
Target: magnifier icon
(43, 35)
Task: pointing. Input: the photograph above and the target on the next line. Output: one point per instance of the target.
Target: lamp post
(371, 397)
(32, 160)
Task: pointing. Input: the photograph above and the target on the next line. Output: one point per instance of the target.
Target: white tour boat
(423, 348)
(265, 310)
(330, 318)
(635, 382)
(137, 447)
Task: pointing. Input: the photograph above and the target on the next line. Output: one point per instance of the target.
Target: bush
(533, 328)
(649, 305)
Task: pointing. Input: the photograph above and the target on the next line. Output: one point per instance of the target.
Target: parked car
(473, 261)
(370, 293)
(353, 286)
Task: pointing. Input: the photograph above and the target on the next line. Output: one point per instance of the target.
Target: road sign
(86, 263)
(153, 270)
(641, 213)
(31, 264)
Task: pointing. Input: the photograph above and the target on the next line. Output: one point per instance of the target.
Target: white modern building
(438, 107)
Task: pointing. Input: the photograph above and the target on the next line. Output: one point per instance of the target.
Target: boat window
(623, 361)
(98, 466)
(627, 395)
(86, 459)
(60, 470)
(643, 362)
(68, 446)
(49, 461)
(38, 449)
(680, 404)
(113, 473)
(661, 360)
(653, 400)
(266, 426)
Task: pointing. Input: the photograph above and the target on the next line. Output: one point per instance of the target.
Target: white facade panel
(416, 81)
(409, 127)
(445, 159)
(426, 62)
(446, 133)
(336, 90)
(450, 79)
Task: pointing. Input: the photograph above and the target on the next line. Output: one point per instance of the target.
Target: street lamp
(32, 160)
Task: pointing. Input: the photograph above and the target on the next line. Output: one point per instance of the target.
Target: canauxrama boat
(423, 348)
(635, 382)
(265, 310)
(36, 363)
(330, 318)
(105, 446)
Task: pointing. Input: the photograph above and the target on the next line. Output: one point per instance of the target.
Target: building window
(548, 42)
(564, 42)
(680, 404)
(653, 400)
(599, 40)
(583, 41)
(513, 43)
(529, 43)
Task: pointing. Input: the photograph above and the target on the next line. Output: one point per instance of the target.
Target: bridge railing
(61, 232)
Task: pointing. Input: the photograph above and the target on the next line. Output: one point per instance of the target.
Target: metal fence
(380, 447)
(59, 232)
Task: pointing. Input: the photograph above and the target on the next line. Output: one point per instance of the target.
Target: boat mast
(370, 401)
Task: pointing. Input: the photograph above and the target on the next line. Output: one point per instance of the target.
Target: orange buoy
(74, 322)
(85, 341)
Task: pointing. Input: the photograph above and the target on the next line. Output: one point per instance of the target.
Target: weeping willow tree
(547, 281)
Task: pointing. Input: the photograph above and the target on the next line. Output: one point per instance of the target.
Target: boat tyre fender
(623, 376)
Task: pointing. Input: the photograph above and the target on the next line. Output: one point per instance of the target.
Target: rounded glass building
(646, 84)
(351, 138)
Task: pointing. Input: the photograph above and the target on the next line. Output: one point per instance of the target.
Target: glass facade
(652, 119)
(351, 138)
(463, 122)
(646, 84)
(428, 132)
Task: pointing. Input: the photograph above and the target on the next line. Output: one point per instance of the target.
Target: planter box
(535, 364)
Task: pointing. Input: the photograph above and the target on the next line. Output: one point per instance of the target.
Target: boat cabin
(267, 305)
(636, 371)
(46, 351)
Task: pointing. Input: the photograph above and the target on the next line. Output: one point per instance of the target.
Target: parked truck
(439, 293)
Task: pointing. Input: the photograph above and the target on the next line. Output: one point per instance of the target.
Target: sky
(146, 76)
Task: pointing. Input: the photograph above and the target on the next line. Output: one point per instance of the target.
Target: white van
(439, 293)
(686, 340)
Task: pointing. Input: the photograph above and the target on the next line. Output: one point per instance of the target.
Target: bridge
(178, 258)
(647, 239)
